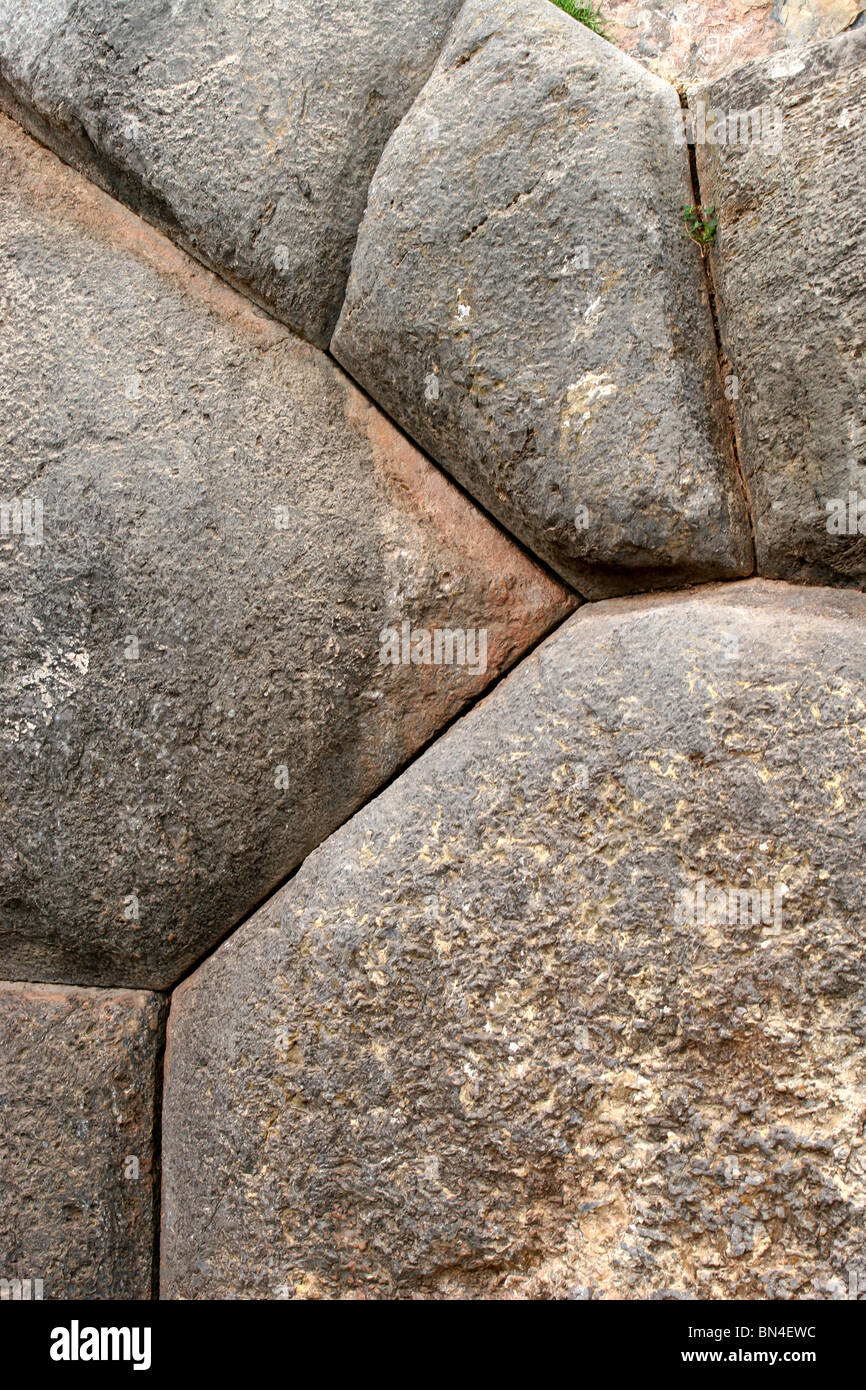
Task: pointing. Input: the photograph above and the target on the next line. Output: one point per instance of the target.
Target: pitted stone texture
(470, 1050)
(247, 129)
(524, 302)
(790, 268)
(190, 697)
(691, 40)
(78, 1095)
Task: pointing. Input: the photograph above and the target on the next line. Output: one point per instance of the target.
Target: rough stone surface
(473, 1048)
(78, 1096)
(790, 268)
(190, 697)
(247, 129)
(690, 40)
(524, 302)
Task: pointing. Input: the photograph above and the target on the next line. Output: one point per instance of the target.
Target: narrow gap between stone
(168, 991)
(467, 708)
(156, 1151)
(473, 501)
(722, 359)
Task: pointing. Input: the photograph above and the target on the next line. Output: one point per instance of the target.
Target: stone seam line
(488, 516)
(489, 566)
(168, 992)
(533, 23)
(151, 209)
(722, 359)
(11, 102)
(60, 121)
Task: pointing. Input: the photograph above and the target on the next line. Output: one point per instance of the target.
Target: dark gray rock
(191, 691)
(78, 1097)
(502, 1036)
(524, 302)
(790, 267)
(247, 129)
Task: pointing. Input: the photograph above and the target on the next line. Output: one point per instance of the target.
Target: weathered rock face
(527, 1024)
(78, 1093)
(523, 301)
(790, 268)
(688, 40)
(246, 129)
(206, 530)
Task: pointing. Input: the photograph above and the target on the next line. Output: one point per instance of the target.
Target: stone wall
(433, 693)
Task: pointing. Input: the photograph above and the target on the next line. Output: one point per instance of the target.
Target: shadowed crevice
(721, 355)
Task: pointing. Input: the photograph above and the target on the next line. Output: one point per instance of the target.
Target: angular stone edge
(66, 135)
(757, 81)
(602, 580)
(150, 1010)
(528, 601)
(838, 608)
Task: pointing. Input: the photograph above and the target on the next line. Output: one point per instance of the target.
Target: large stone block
(576, 1004)
(247, 129)
(205, 531)
(523, 301)
(789, 183)
(691, 40)
(78, 1094)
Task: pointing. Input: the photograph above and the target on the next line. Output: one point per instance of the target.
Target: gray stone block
(524, 302)
(577, 1003)
(782, 160)
(205, 531)
(247, 129)
(79, 1089)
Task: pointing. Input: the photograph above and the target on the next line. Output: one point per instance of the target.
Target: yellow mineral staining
(836, 784)
(669, 772)
(544, 1107)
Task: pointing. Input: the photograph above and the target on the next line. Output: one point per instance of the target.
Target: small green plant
(701, 225)
(590, 15)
